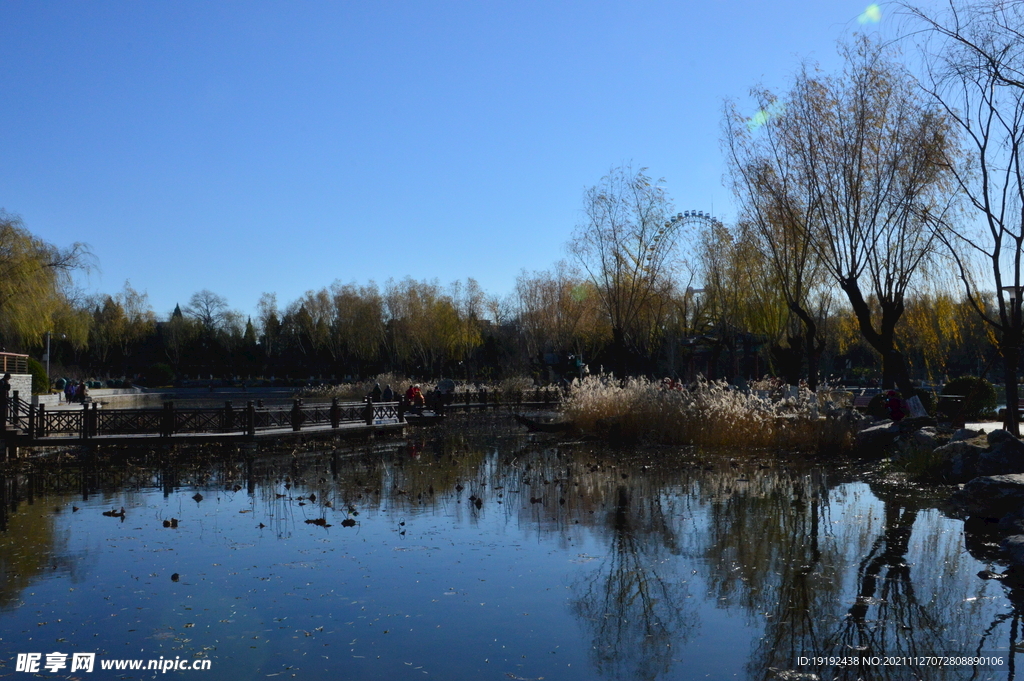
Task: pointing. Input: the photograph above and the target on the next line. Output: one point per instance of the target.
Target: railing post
(296, 414)
(401, 410)
(85, 422)
(250, 419)
(15, 409)
(228, 418)
(31, 420)
(94, 414)
(168, 420)
(335, 413)
(368, 411)
(41, 421)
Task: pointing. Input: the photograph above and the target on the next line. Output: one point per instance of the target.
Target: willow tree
(776, 208)
(429, 327)
(627, 247)
(866, 161)
(556, 310)
(358, 323)
(35, 277)
(974, 55)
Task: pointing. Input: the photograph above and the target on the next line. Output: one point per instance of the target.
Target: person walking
(5, 395)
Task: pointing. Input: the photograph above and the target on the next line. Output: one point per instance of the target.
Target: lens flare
(766, 114)
(872, 15)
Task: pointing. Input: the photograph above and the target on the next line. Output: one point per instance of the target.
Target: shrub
(40, 381)
(979, 395)
(159, 374)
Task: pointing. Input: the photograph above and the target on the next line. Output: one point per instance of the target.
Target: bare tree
(777, 206)
(974, 54)
(209, 309)
(866, 181)
(627, 246)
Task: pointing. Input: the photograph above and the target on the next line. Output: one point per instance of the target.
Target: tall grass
(359, 390)
(706, 414)
(507, 388)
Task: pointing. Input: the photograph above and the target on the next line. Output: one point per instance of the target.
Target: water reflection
(492, 555)
(635, 606)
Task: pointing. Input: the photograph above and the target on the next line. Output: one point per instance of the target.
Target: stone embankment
(988, 468)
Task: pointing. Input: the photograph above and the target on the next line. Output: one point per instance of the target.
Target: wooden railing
(90, 421)
(511, 398)
(13, 363)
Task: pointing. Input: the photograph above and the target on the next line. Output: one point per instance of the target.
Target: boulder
(920, 441)
(965, 434)
(992, 496)
(1013, 547)
(960, 460)
(997, 436)
(1006, 456)
(926, 437)
(1012, 523)
(877, 436)
(912, 423)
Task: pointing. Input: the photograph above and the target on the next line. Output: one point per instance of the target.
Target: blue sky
(248, 147)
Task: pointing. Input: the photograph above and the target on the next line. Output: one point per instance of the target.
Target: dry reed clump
(706, 414)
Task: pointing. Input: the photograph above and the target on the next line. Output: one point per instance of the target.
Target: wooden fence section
(516, 399)
(13, 363)
(39, 426)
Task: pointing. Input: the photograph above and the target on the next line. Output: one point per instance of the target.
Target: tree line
(735, 327)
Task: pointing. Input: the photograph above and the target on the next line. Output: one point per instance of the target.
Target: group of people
(75, 392)
(414, 397)
(378, 395)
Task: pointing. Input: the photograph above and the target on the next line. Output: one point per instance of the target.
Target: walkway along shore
(26, 425)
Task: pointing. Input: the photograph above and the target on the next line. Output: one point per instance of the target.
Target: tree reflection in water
(806, 559)
(635, 612)
(839, 586)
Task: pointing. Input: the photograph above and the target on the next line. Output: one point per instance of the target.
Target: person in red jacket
(414, 396)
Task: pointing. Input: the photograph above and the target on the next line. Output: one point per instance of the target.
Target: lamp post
(47, 357)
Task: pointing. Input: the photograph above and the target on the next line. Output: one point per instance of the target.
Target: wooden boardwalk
(29, 426)
(25, 425)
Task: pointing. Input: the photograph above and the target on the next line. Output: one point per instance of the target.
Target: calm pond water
(488, 554)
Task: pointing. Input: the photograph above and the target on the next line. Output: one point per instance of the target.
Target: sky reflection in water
(516, 559)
